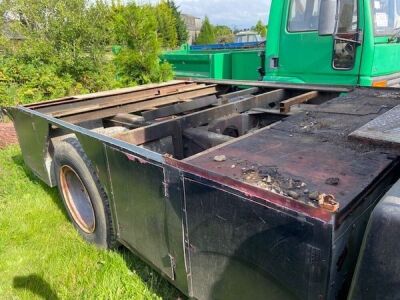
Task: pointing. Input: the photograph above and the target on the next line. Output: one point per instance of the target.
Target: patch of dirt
(8, 135)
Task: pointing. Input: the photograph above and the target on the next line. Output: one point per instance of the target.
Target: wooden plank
(138, 106)
(160, 130)
(180, 108)
(303, 98)
(121, 91)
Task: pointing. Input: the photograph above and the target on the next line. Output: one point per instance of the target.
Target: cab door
(307, 57)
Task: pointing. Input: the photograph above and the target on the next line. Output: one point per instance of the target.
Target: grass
(43, 257)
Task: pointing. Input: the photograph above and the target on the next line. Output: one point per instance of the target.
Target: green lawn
(42, 256)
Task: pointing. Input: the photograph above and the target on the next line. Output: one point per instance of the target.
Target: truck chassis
(231, 190)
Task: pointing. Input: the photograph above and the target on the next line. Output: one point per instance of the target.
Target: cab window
(386, 16)
(344, 49)
(303, 15)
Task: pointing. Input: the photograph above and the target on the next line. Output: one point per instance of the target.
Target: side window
(303, 15)
(252, 38)
(345, 51)
(348, 16)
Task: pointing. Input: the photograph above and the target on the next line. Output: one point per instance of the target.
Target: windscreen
(386, 16)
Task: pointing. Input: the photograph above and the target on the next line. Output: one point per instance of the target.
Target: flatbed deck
(310, 152)
(229, 178)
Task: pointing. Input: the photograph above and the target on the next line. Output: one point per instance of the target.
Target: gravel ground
(7, 135)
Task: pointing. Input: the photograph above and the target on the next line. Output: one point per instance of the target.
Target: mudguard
(378, 269)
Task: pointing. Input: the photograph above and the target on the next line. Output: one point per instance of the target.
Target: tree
(136, 31)
(206, 35)
(180, 26)
(62, 52)
(166, 25)
(67, 47)
(261, 29)
(223, 34)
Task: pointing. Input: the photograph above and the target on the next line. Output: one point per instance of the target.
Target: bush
(67, 47)
(207, 34)
(138, 60)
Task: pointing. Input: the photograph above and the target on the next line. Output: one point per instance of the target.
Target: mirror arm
(357, 41)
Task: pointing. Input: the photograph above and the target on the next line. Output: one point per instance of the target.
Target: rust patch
(254, 191)
(134, 158)
(328, 202)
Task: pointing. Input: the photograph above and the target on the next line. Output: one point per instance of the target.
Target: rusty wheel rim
(77, 199)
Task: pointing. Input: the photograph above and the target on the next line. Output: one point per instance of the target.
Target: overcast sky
(239, 13)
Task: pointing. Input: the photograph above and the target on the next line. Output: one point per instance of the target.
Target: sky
(234, 13)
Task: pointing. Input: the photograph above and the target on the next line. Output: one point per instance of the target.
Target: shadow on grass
(36, 284)
(155, 282)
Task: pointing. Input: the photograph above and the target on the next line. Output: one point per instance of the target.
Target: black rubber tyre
(83, 197)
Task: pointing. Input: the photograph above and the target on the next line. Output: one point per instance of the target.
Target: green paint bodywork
(303, 57)
(216, 64)
(306, 57)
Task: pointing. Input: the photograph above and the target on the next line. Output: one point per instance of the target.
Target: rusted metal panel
(180, 108)
(101, 112)
(109, 95)
(265, 196)
(107, 102)
(298, 159)
(167, 128)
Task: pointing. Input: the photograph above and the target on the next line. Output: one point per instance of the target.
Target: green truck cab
(339, 42)
(360, 47)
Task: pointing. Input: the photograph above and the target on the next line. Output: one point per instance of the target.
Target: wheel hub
(77, 199)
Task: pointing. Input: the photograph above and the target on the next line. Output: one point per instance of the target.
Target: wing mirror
(327, 17)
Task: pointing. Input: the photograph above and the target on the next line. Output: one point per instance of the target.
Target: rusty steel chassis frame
(182, 201)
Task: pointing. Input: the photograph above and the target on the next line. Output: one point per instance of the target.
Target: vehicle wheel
(84, 198)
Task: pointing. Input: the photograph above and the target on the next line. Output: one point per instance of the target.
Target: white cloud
(239, 13)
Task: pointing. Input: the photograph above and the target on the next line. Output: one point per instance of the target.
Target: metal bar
(225, 98)
(180, 108)
(287, 104)
(106, 102)
(277, 85)
(160, 130)
(120, 92)
(118, 144)
(139, 106)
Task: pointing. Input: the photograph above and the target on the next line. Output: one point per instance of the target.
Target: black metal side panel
(378, 269)
(140, 207)
(33, 134)
(175, 234)
(239, 248)
(96, 152)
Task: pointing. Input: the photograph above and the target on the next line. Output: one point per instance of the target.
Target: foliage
(67, 47)
(43, 257)
(136, 30)
(166, 25)
(62, 51)
(261, 29)
(180, 26)
(223, 34)
(207, 34)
